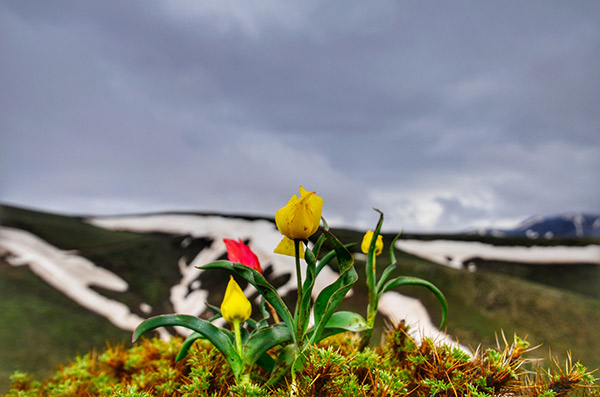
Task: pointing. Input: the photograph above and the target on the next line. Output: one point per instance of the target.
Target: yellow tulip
(366, 243)
(236, 308)
(300, 218)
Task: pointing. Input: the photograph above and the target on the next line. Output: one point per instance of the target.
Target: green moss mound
(398, 367)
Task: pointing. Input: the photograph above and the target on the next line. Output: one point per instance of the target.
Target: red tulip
(239, 252)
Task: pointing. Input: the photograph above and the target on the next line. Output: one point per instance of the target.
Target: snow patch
(456, 254)
(70, 274)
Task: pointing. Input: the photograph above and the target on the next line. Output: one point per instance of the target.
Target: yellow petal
(301, 222)
(235, 306)
(286, 247)
(300, 218)
(303, 192)
(284, 216)
(366, 243)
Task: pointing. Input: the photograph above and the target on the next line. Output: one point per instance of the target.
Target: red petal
(239, 252)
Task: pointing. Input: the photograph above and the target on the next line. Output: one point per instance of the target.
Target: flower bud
(235, 307)
(366, 243)
(239, 252)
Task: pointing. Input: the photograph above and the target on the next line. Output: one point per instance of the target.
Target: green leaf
(304, 304)
(399, 281)
(187, 344)
(262, 286)
(341, 322)
(330, 255)
(318, 246)
(331, 296)
(266, 362)
(284, 362)
(325, 225)
(265, 315)
(370, 264)
(387, 272)
(349, 321)
(393, 248)
(261, 341)
(215, 335)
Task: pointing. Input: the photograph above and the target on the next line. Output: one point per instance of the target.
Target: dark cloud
(443, 115)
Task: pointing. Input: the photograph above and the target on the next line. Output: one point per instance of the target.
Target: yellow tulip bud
(235, 307)
(300, 218)
(366, 243)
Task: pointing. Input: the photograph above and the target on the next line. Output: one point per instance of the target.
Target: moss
(397, 367)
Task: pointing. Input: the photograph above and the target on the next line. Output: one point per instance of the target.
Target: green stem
(298, 273)
(300, 291)
(373, 303)
(371, 315)
(245, 379)
(238, 338)
(297, 320)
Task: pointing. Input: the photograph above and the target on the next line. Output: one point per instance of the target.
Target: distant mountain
(564, 225)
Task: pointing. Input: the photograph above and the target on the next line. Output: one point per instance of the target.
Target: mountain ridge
(568, 224)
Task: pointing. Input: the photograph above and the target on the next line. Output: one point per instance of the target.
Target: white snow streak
(456, 254)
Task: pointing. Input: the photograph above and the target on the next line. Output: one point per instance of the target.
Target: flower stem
(298, 279)
(298, 273)
(373, 303)
(238, 337)
(297, 314)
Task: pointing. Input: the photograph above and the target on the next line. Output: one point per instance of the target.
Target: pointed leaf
(330, 255)
(370, 264)
(399, 281)
(387, 272)
(261, 341)
(187, 344)
(215, 335)
(393, 248)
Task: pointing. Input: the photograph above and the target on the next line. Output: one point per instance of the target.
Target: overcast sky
(445, 115)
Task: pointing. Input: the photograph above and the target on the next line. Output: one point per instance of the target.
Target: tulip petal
(235, 306)
(301, 217)
(286, 247)
(283, 217)
(239, 252)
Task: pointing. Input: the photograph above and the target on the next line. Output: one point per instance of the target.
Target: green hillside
(40, 327)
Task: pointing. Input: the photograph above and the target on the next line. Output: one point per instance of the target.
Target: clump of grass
(336, 367)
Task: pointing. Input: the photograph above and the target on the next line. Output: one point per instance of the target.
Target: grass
(336, 367)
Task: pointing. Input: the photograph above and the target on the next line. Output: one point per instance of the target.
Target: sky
(444, 115)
